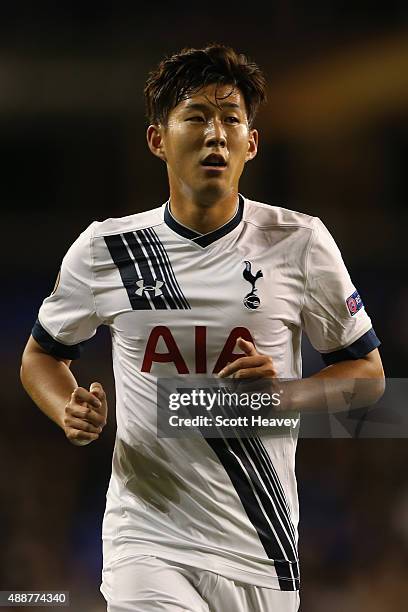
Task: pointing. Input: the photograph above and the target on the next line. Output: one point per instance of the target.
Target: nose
(215, 136)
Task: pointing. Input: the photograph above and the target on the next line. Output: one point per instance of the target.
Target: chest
(188, 308)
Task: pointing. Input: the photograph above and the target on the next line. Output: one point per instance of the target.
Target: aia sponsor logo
(173, 354)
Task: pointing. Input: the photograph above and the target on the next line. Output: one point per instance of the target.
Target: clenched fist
(85, 415)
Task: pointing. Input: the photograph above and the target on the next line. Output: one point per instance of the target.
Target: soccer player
(210, 282)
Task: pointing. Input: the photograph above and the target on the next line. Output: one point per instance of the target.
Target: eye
(232, 119)
(195, 118)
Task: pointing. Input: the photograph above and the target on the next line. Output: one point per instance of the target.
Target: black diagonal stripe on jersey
(154, 258)
(286, 585)
(246, 484)
(169, 267)
(270, 469)
(168, 271)
(271, 488)
(264, 465)
(266, 496)
(127, 269)
(144, 267)
(268, 475)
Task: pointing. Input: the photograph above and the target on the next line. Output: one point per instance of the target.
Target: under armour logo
(155, 287)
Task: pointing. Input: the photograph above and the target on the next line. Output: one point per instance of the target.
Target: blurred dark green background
(333, 143)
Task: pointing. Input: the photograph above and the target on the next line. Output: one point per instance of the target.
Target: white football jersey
(176, 302)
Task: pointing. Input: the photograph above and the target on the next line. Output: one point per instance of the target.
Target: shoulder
(130, 223)
(267, 216)
(90, 245)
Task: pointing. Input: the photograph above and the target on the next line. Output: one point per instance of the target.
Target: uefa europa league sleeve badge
(251, 300)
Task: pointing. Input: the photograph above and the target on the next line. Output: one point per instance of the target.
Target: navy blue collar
(204, 240)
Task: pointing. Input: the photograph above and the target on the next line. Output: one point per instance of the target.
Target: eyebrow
(202, 106)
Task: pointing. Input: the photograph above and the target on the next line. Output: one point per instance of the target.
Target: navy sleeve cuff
(361, 347)
(53, 347)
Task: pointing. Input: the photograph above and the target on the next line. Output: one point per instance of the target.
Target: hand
(253, 365)
(85, 415)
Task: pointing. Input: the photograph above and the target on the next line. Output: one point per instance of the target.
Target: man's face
(206, 143)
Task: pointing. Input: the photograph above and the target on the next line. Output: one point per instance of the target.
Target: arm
(67, 318)
(348, 384)
(50, 383)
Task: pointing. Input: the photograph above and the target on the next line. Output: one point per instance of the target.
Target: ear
(252, 145)
(155, 140)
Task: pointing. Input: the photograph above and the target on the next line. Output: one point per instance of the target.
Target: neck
(201, 215)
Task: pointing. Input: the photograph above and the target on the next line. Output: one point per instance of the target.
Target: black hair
(178, 76)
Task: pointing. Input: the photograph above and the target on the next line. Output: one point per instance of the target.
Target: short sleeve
(333, 315)
(68, 317)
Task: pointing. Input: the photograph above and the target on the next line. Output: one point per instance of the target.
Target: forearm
(341, 386)
(48, 382)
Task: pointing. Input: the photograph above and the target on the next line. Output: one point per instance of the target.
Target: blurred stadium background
(334, 139)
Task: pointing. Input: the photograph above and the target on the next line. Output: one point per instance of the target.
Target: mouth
(214, 161)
